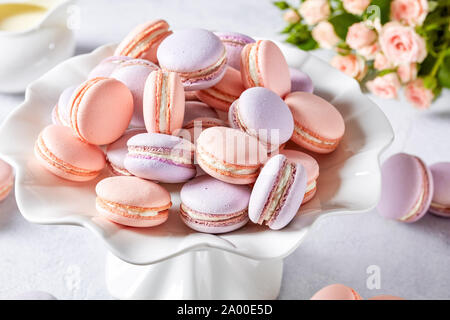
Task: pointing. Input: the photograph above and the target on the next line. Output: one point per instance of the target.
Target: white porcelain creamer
(35, 35)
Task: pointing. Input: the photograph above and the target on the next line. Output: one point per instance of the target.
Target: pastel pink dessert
(440, 204)
(263, 65)
(61, 111)
(197, 111)
(213, 206)
(336, 292)
(6, 179)
(100, 110)
(234, 43)
(132, 201)
(318, 125)
(278, 193)
(163, 105)
(143, 41)
(63, 154)
(107, 66)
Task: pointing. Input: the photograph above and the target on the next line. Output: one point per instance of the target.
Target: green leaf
(342, 22)
(288, 28)
(309, 44)
(282, 5)
(427, 65)
(378, 8)
(429, 82)
(385, 72)
(444, 73)
(432, 5)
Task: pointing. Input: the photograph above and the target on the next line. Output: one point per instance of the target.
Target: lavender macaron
(234, 42)
(117, 151)
(213, 206)
(160, 157)
(263, 114)
(195, 110)
(278, 193)
(106, 67)
(440, 205)
(197, 55)
(300, 81)
(61, 111)
(406, 188)
(133, 73)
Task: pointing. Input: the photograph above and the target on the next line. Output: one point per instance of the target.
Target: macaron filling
(179, 157)
(42, 150)
(253, 65)
(212, 219)
(217, 94)
(226, 169)
(76, 103)
(279, 192)
(126, 210)
(440, 208)
(419, 205)
(205, 73)
(311, 187)
(313, 139)
(118, 171)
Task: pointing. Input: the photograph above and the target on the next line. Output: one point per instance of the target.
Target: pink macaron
(318, 125)
(143, 41)
(261, 113)
(440, 204)
(163, 104)
(61, 111)
(133, 73)
(312, 170)
(6, 179)
(197, 55)
(234, 42)
(107, 66)
(385, 297)
(117, 151)
(406, 188)
(160, 157)
(132, 201)
(278, 193)
(213, 206)
(230, 155)
(63, 154)
(336, 292)
(263, 65)
(223, 94)
(100, 110)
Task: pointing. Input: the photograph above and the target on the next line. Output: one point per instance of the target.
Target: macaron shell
(308, 162)
(104, 112)
(213, 229)
(133, 191)
(107, 66)
(273, 70)
(317, 116)
(300, 81)
(66, 147)
(64, 105)
(234, 42)
(441, 180)
(175, 94)
(211, 196)
(261, 110)
(117, 151)
(230, 86)
(196, 109)
(150, 53)
(385, 297)
(402, 183)
(133, 74)
(336, 292)
(6, 179)
(136, 222)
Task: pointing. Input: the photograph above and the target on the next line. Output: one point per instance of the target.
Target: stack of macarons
(209, 110)
(409, 188)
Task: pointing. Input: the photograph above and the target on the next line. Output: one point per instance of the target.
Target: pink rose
(418, 95)
(407, 72)
(381, 62)
(401, 44)
(410, 12)
(314, 11)
(291, 16)
(359, 35)
(351, 65)
(385, 86)
(356, 6)
(324, 34)
(369, 52)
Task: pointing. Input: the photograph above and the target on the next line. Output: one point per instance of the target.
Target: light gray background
(413, 259)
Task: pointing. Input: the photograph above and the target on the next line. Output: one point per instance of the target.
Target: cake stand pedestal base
(205, 274)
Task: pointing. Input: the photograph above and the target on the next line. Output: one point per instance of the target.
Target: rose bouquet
(384, 44)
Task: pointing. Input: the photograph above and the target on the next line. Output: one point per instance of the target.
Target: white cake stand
(172, 261)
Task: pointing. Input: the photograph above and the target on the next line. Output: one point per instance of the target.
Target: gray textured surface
(69, 261)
